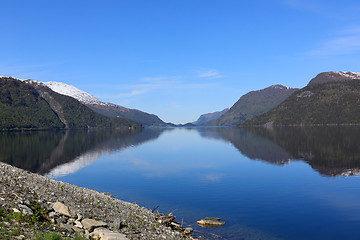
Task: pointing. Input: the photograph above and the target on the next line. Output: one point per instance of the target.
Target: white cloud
(347, 42)
(161, 83)
(212, 74)
(132, 93)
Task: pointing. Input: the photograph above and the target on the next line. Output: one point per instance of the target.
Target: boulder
(188, 230)
(66, 227)
(211, 222)
(61, 208)
(90, 224)
(26, 210)
(15, 210)
(106, 234)
(78, 224)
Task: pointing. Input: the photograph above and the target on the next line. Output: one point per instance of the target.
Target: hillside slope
(106, 109)
(210, 117)
(28, 104)
(22, 107)
(253, 104)
(327, 101)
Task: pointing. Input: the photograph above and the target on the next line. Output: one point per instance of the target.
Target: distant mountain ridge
(210, 117)
(329, 98)
(106, 109)
(253, 104)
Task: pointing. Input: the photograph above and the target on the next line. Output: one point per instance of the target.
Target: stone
(90, 224)
(78, 224)
(52, 214)
(26, 210)
(15, 210)
(77, 230)
(61, 208)
(106, 234)
(70, 221)
(79, 217)
(211, 222)
(188, 230)
(66, 227)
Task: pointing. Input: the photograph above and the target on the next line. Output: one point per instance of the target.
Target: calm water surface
(288, 183)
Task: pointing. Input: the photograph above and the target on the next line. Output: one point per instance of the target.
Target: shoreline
(21, 190)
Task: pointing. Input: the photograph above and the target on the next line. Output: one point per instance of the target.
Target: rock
(90, 224)
(52, 214)
(15, 210)
(78, 224)
(77, 230)
(211, 222)
(66, 227)
(61, 208)
(62, 219)
(79, 217)
(106, 234)
(70, 221)
(175, 225)
(26, 210)
(188, 230)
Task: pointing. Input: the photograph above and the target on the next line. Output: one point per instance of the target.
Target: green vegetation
(16, 224)
(133, 114)
(33, 106)
(22, 107)
(319, 104)
(330, 150)
(253, 104)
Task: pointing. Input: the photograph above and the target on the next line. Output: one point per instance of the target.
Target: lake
(281, 183)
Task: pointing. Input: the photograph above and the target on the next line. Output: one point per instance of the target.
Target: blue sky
(178, 58)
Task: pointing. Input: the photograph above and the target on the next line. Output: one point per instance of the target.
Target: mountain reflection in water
(331, 151)
(63, 152)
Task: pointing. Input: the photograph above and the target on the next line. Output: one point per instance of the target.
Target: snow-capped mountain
(106, 109)
(353, 75)
(334, 77)
(280, 86)
(74, 92)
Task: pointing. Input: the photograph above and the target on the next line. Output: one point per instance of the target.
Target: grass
(13, 224)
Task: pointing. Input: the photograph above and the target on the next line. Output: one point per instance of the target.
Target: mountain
(210, 117)
(253, 104)
(21, 106)
(28, 104)
(106, 109)
(329, 98)
(334, 77)
(318, 146)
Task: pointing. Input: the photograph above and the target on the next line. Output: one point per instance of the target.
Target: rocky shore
(33, 206)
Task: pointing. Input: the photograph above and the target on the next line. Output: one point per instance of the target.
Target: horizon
(178, 59)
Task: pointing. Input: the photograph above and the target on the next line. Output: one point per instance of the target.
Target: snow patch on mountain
(352, 75)
(279, 86)
(74, 92)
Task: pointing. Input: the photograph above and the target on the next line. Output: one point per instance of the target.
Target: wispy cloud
(150, 84)
(347, 41)
(131, 94)
(212, 74)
